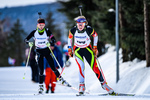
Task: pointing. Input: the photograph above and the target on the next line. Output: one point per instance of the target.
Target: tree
(131, 23)
(132, 26)
(3, 36)
(52, 27)
(146, 31)
(96, 14)
(15, 43)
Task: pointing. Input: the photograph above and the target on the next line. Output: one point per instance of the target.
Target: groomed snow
(134, 78)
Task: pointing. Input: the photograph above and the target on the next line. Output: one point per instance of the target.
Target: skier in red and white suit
(82, 48)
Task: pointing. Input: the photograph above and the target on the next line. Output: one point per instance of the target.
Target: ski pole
(27, 62)
(100, 68)
(63, 68)
(54, 57)
(56, 61)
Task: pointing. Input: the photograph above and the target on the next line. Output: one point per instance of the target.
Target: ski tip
(124, 94)
(117, 94)
(80, 95)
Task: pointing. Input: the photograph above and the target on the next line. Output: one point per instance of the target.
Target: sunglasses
(81, 24)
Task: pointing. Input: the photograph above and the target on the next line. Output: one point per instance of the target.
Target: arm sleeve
(92, 32)
(70, 37)
(95, 38)
(29, 36)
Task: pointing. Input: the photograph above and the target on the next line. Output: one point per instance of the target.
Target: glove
(48, 44)
(70, 53)
(95, 50)
(30, 44)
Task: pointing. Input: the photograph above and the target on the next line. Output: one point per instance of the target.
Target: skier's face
(81, 25)
(41, 26)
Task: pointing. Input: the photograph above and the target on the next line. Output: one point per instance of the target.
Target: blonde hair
(80, 17)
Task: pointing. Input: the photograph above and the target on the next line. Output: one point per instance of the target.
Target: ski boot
(63, 82)
(81, 88)
(47, 90)
(41, 89)
(108, 89)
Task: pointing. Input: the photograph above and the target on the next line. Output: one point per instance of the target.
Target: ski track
(69, 96)
(14, 87)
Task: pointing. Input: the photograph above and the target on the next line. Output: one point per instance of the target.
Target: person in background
(33, 65)
(50, 76)
(65, 51)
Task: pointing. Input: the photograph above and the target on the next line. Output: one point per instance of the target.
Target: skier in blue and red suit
(82, 48)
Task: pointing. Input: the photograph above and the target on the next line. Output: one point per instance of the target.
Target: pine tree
(132, 36)
(3, 36)
(96, 13)
(131, 23)
(52, 27)
(15, 44)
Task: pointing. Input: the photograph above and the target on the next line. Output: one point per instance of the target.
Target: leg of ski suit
(89, 56)
(41, 54)
(49, 79)
(52, 80)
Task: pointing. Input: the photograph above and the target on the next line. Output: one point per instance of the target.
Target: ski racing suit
(43, 51)
(82, 48)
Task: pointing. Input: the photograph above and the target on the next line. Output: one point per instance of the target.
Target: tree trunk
(122, 37)
(146, 32)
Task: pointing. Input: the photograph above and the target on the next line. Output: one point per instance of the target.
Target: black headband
(41, 20)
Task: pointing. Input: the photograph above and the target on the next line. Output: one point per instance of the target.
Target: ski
(66, 86)
(116, 94)
(38, 94)
(107, 94)
(80, 95)
(103, 94)
(70, 87)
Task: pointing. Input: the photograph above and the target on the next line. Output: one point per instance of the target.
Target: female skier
(41, 36)
(82, 48)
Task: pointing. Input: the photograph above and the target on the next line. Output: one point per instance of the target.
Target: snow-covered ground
(134, 78)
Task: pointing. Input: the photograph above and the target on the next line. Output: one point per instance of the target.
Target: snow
(134, 78)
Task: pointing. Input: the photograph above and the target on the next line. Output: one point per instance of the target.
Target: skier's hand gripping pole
(30, 44)
(95, 51)
(70, 53)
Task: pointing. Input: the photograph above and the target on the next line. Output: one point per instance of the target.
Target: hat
(58, 43)
(41, 20)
